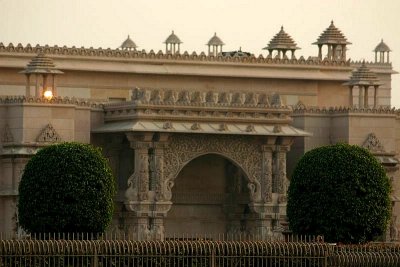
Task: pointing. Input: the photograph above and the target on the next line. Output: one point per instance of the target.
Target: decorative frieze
(171, 105)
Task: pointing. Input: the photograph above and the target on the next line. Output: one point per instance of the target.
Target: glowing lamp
(48, 94)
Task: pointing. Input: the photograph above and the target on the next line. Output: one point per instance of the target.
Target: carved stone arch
(237, 164)
(244, 151)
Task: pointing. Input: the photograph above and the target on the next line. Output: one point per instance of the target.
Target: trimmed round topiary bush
(341, 192)
(68, 188)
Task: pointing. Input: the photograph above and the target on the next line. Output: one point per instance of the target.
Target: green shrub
(67, 187)
(341, 192)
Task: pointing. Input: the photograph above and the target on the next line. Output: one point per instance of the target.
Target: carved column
(137, 194)
(266, 180)
(141, 169)
(161, 201)
(282, 183)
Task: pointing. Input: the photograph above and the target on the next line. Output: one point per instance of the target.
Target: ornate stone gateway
(168, 129)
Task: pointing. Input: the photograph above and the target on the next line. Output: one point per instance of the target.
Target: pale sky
(248, 24)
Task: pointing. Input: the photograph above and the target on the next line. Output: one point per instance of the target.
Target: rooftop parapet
(152, 55)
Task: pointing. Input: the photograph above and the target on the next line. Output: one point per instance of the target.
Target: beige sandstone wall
(26, 122)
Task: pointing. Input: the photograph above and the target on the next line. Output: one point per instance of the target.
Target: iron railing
(91, 252)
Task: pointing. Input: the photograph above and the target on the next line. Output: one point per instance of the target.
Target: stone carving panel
(7, 135)
(49, 135)
(373, 144)
(245, 152)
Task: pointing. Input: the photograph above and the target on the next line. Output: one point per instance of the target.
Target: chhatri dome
(43, 66)
(216, 44)
(382, 48)
(282, 42)
(336, 42)
(364, 78)
(172, 43)
(128, 44)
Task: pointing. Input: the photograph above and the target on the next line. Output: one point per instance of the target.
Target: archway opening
(210, 199)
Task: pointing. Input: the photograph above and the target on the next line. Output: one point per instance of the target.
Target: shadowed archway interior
(209, 201)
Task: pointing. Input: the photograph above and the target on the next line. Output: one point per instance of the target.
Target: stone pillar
(282, 178)
(375, 96)
(28, 86)
(360, 96)
(329, 52)
(137, 195)
(334, 52)
(158, 163)
(343, 52)
(37, 87)
(366, 100)
(148, 201)
(162, 191)
(44, 85)
(351, 96)
(266, 179)
(54, 85)
(320, 51)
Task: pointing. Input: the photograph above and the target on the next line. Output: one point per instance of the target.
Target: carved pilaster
(158, 231)
(159, 170)
(266, 180)
(282, 181)
(138, 183)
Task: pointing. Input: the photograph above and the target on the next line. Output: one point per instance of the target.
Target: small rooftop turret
(334, 39)
(172, 44)
(282, 42)
(363, 78)
(216, 43)
(128, 44)
(382, 48)
(41, 65)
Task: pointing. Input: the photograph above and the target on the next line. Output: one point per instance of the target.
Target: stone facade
(199, 144)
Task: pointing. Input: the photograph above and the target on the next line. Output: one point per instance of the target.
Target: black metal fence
(118, 253)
